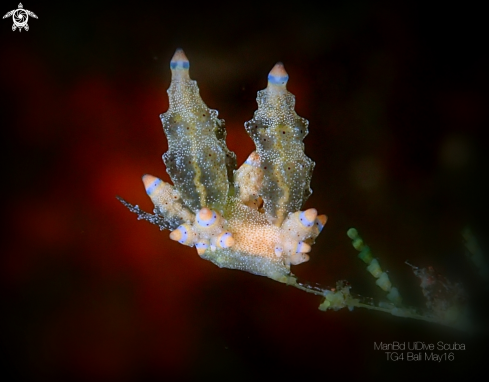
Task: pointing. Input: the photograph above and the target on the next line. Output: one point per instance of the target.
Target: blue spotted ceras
(248, 218)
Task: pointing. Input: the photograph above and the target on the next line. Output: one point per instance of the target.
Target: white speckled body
(249, 218)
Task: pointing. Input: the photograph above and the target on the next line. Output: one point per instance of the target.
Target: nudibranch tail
(198, 160)
(278, 132)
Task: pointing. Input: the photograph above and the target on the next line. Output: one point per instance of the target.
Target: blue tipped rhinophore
(179, 64)
(206, 221)
(153, 186)
(278, 80)
(223, 240)
(201, 245)
(304, 220)
(320, 225)
(300, 247)
(184, 233)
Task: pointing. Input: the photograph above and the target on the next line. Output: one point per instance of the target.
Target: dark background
(395, 93)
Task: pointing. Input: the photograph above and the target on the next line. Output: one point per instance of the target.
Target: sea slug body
(246, 218)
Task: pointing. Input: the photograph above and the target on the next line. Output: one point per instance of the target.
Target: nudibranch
(248, 218)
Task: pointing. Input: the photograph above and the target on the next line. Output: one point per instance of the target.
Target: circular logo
(20, 18)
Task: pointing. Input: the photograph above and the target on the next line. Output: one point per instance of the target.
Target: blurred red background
(396, 96)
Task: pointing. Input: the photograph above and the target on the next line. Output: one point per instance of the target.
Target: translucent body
(278, 132)
(198, 160)
(247, 219)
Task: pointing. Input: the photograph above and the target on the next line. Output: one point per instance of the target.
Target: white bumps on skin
(250, 218)
(198, 161)
(278, 132)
